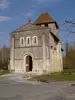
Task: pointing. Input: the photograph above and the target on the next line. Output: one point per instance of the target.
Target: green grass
(56, 77)
(66, 76)
(2, 72)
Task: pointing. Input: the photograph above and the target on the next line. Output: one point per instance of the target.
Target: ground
(13, 87)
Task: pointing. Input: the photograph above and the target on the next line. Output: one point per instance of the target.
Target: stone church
(36, 47)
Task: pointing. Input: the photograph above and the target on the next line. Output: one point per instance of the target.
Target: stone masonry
(41, 43)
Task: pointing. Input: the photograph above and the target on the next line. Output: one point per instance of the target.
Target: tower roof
(45, 18)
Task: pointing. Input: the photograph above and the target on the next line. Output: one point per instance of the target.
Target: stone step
(29, 75)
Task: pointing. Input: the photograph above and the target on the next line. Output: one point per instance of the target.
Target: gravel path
(13, 87)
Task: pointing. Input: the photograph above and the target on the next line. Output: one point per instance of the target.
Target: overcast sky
(14, 13)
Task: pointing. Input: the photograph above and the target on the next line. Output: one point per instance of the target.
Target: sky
(14, 13)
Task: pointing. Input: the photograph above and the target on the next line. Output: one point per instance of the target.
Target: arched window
(34, 40)
(28, 41)
(22, 42)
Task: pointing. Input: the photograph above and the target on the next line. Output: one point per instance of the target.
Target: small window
(51, 47)
(46, 25)
(34, 40)
(22, 41)
(28, 41)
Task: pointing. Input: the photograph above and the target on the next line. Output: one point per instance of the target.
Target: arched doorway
(28, 63)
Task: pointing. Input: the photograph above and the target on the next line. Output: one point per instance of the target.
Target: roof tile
(44, 18)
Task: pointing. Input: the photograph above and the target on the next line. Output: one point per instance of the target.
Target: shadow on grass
(63, 76)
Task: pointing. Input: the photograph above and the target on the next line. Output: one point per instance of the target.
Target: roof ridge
(22, 28)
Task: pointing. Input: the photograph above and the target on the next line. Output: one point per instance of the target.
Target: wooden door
(27, 63)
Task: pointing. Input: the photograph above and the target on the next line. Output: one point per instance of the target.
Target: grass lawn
(55, 77)
(2, 72)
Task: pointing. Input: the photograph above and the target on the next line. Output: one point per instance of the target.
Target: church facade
(36, 47)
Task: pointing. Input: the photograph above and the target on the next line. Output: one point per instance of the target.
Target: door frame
(29, 65)
(28, 54)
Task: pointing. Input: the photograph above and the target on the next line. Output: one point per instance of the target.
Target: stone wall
(12, 55)
(44, 55)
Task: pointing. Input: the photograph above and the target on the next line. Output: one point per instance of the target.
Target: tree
(67, 51)
(4, 56)
(69, 58)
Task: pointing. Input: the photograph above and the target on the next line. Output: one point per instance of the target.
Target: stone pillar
(54, 61)
(12, 66)
(59, 57)
(51, 59)
(56, 65)
(44, 54)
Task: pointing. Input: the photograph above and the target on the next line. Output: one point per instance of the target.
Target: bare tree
(4, 56)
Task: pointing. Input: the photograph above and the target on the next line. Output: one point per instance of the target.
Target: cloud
(46, 1)
(43, 1)
(4, 4)
(28, 14)
(4, 18)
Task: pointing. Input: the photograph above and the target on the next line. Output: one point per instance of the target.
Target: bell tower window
(46, 25)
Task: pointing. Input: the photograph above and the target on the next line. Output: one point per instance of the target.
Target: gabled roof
(28, 27)
(45, 18)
